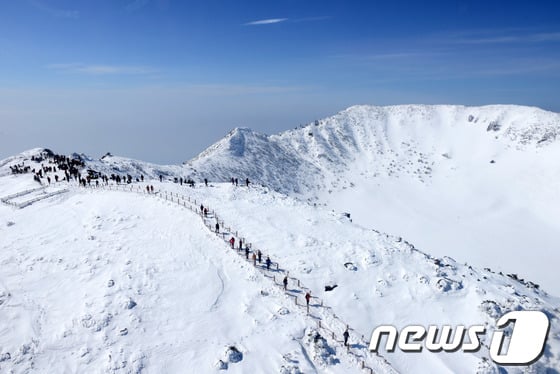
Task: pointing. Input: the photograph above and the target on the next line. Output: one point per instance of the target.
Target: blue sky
(161, 80)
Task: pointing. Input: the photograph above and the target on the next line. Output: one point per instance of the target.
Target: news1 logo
(524, 347)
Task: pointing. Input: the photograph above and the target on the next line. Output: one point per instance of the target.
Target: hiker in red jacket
(232, 242)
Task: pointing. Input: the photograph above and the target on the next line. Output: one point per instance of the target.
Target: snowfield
(115, 282)
(425, 215)
(97, 280)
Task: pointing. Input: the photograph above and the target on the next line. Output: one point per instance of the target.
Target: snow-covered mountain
(394, 141)
(479, 184)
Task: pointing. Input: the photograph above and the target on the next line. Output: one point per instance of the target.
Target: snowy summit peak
(234, 144)
(240, 138)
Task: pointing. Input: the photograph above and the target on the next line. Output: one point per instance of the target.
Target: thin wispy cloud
(269, 21)
(102, 69)
(55, 12)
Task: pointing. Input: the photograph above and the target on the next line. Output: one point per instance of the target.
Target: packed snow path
(331, 325)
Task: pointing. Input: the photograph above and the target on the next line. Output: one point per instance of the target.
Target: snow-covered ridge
(409, 140)
(379, 141)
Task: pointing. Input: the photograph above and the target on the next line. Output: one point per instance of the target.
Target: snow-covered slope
(110, 282)
(476, 183)
(115, 281)
(381, 279)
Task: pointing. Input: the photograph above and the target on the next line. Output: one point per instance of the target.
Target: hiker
(346, 336)
(232, 242)
(161, 178)
(148, 188)
(254, 259)
(206, 182)
(232, 181)
(217, 227)
(268, 262)
(247, 253)
(240, 244)
(247, 182)
(307, 298)
(285, 282)
(236, 182)
(259, 256)
(152, 188)
(206, 212)
(201, 208)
